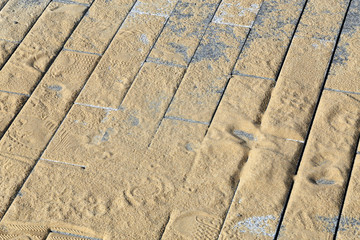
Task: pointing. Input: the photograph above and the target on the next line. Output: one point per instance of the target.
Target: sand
(31, 59)
(189, 119)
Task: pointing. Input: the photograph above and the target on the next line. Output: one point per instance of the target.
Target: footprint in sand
(145, 191)
(32, 133)
(28, 231)
(198, 225)
(24, 237)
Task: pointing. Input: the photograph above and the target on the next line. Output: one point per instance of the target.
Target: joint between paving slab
(291, 39)
(4, 4)
(164, 227)
(185, 71)
(151, 14)
(71, 2)
(288, 139)
(17, 193)
(171, 100)
(312, 121)
(294, 140)
(337, 226)
(236, 73)
(83, 52)
(74, 102)
(10, 41)
(232, 71)
(58, 52)
(341, 91)
(107, 47)
(160, 62)
(22, 94)
(95, 106)
(150, 50)
(233, 24)
(60, 162)
(120, 26)
(76, 97)
(228, 211)
(50, 64)
(26, 33)
(75, 235)
(186, 120)
(315, 38)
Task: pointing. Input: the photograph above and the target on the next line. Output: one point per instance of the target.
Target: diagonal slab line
(217, 107)
(228, 211)
(4, 5)
(152, 47)
(312, 120)
(26, 33)
(41, 154)
(232, 70)
(164, 228)
(187, 66)
(345, 192)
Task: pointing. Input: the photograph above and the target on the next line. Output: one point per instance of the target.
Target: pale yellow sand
(189, 119)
